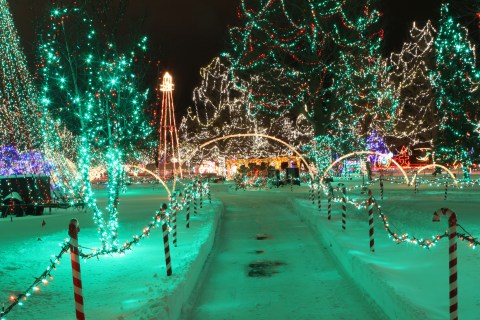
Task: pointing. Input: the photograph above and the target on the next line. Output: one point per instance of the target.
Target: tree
(319, 59)
(415, 122)
(92, 87)
(456, 79)
(20, 115)
(222, 110)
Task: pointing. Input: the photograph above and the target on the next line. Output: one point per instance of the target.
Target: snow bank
(405, 280)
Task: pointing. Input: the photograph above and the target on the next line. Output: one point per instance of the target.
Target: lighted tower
(168, 153)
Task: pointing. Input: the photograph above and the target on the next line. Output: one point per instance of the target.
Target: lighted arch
(152, 173)
(368, 153)
(433, 166)
(311, 171)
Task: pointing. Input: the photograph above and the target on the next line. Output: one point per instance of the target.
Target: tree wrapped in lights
(415, 122)
(91, 87)
(24, 124)
(365, 97)
(315, 58)
(222, 110)
(20, 114)
(456, 79)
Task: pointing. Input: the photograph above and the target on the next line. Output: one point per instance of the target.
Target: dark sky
(187, 34)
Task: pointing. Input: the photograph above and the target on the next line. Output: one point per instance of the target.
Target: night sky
(186, 34)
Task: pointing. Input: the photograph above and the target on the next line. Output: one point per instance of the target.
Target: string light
(415, 120)
(221, 110)
(456, 79)
(92, 87)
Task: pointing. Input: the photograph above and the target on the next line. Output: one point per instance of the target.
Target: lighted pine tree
(304, 57)
(19, 112)
(415, 122)
(92, 87)
(456, 79)
(364, 97)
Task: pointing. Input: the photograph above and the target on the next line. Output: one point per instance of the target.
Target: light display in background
(376, 143)
(168, 146)
(320, 59)
(14, 163)
(221, 110)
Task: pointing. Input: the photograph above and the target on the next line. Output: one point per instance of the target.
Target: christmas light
(221, 110)
(456, 79)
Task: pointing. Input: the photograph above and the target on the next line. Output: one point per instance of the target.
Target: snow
(131, 286)
(405, 280)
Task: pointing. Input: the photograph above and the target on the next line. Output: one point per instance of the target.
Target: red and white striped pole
(166, 245)
(319, 200)
(194, 203)
(452, 263)
(174, 221)
(312, 192)
(208, 193)
(73, 230)
(370, 220)
(344, 205)
(330, 195)
(446, 190)
(381, 187)
(188, 199)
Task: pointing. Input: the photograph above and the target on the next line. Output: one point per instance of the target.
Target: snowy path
(304, 283)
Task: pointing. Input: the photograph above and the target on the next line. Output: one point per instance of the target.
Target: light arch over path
(311, 170)
(433, 165)
(127, 166)
(367, 153)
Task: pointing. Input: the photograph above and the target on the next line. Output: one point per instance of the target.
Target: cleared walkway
(266, 264)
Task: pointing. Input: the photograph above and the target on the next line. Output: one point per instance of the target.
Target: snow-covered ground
(131, 286)
(407, 281)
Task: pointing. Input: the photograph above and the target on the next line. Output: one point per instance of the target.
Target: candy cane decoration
(194, 204)
(330, 195)
(188, 199)
(344, 205)
(208, 193)
(446, 189)
(370, 220)
(381, 187)
(174, 222)
(166, 246)
(312, 193)
(73, 230)
(452, 263)
(319, 202)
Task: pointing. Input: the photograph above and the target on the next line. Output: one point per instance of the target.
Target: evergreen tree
(456, 80)
(316, 58)
(20, 114)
